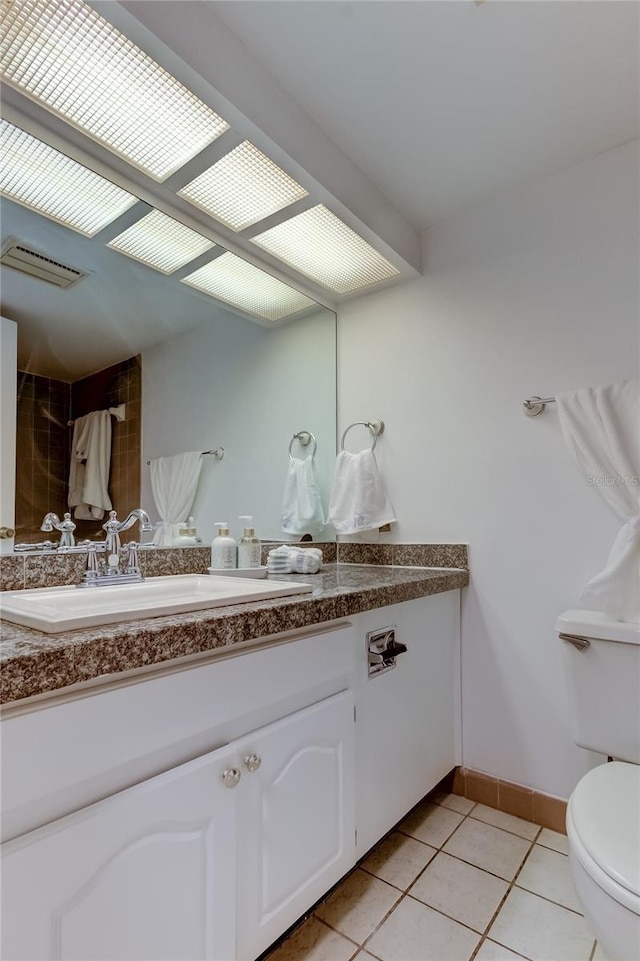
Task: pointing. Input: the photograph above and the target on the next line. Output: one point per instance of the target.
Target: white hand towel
(173, 483)
(601, 426)
(302, 511)
(90, 465)
(359, 501)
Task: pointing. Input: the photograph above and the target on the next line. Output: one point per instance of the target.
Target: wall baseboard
(523, 802)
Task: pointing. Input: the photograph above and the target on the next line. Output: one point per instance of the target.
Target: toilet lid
(605, 808)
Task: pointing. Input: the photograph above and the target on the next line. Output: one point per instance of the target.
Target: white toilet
(602, 662)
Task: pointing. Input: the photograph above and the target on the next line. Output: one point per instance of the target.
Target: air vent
(35, 264)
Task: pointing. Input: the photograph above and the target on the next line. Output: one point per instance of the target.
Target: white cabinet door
(148, 873)
(407, 726)
(296, 830)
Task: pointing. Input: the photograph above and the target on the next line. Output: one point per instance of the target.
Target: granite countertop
(36, 663)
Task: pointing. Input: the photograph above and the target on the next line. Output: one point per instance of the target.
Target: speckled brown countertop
(36, 663)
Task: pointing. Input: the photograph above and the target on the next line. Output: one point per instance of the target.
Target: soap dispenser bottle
(223, 549)
(187, 535)
(249, 549)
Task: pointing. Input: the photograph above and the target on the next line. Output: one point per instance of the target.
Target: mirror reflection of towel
(302, 511)
(173, 484)
(90, 465)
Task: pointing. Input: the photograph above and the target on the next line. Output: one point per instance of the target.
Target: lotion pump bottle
(223, 549)
(187, 535)
(249, 550)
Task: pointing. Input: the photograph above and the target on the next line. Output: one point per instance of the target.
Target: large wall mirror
(193, 373)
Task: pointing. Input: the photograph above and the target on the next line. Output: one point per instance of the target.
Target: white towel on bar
(90, 466)
(601, 426)
(302, 511)
(173, 483)
(359, 501)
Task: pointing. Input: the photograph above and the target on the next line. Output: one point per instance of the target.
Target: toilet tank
(603, 681)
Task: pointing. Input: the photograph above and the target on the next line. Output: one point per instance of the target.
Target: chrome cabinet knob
(6, 532)
(231, 777)
(252, 762)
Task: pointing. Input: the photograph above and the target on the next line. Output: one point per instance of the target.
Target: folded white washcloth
(294, 560)
(302, 511)
(359, 501)
(305, 560)
(278, 561)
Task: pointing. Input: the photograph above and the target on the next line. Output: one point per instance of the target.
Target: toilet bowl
(603, 828)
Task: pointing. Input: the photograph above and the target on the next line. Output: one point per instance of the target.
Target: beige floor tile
(598, 954)
(465, 893)
(431, 824)
(455, 802)
(414, 932)
(547, 873)
(490, 951)
(488, 848)
(358, 905)
(554, 840)
(399, 859)
(508, 822)
(314, 941)
(541, 930)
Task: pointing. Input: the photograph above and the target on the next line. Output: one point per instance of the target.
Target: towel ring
(304, 437)
(375, 426)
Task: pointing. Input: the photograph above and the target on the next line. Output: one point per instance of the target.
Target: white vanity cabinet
(198, 810)
(212, 859)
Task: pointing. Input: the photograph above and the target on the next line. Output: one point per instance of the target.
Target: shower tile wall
(42, 452)
(44, 444)
(119, 384)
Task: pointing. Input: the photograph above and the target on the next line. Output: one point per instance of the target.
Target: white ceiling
(442, 103)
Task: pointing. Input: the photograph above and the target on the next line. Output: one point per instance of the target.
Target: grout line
(550, 900)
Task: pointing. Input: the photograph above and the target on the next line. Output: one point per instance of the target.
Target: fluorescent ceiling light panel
(161, 242)
(39, 177)
(320, 245)
(65, 56)
(239, 283)
(243, 188)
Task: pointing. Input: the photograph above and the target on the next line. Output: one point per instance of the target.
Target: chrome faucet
(114, 528)
(96, 576)
(65, 526)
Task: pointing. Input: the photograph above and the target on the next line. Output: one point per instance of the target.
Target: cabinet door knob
(6, 532)
(231, 777)
(252, 762)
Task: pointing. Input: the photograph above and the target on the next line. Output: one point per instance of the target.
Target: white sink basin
(57, 609)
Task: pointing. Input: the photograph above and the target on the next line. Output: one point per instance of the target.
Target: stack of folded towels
(294, 560)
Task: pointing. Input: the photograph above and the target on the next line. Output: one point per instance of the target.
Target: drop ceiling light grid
(39, 177)
(243, 187)
(241, 284)
(320, 245)
(67, 57)
(161, 242)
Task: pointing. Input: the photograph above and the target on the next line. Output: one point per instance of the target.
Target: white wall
(246, 388)
(533, 293)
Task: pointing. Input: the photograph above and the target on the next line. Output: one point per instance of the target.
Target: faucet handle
(132, 564)
(91, 569)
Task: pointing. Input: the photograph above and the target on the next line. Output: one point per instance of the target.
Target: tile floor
(454, 881)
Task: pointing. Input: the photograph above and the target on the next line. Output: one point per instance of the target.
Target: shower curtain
(601, 426)
(173, 484)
